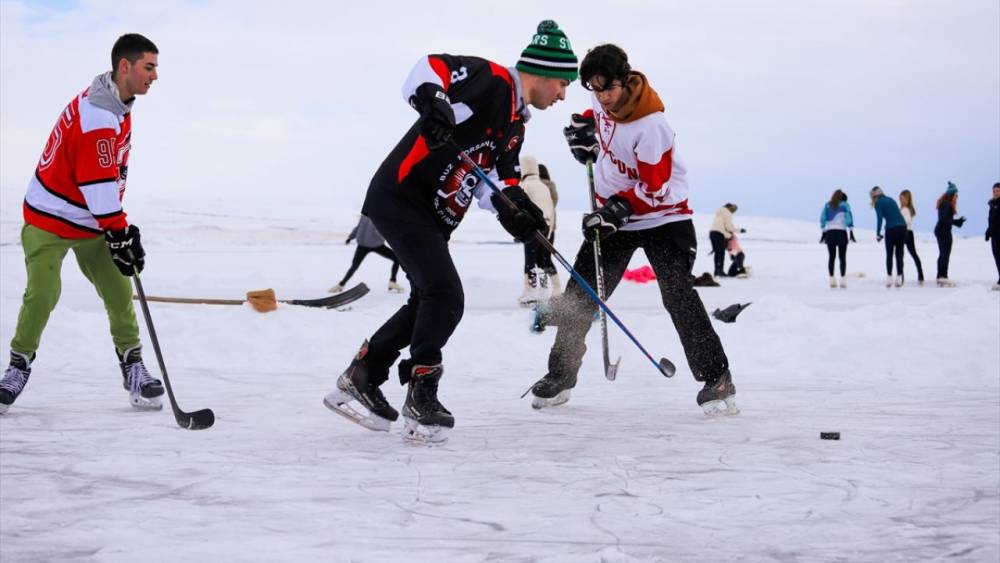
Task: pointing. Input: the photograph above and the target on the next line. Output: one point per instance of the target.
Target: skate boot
(718, 397)
(556, 284)
(144, 391)
(833, 282)
(395, 287)
(530, 294)
(427, 420)
(14, 379)
(337, 288)
(361, 383)
(552, 390)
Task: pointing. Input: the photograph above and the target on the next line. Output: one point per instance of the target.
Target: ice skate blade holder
(339, 402)
(141, 403)
(724, 407)
(416, 433)
(541, 403)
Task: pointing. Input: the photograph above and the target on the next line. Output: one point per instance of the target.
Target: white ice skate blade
(141, 403)
(726, 407)
(416, 433)
(540, 403)
(339, 402)
(3, 408)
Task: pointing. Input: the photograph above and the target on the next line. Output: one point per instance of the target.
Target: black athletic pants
(718, 241)
(836, 243)
(359, 256)
(944, 241)
(995, 243)
(436, 300)
(538, 256)
(911, 247)
(894, 242)
(671, 250)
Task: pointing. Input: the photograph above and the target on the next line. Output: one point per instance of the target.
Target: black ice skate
(427, 421)
(552, 390)
(14, 379)
(144, 392)
(718, 397)
(357, 384)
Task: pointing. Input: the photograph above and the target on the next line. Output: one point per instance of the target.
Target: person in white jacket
(909, 212)
(539, 272)
(720, 234)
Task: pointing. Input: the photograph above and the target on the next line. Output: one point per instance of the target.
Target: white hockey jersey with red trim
(79, 182)
(638, 161)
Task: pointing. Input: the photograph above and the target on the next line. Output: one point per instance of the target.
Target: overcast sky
(775, 103)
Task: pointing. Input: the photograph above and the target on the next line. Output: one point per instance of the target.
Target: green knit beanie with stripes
(549, 54)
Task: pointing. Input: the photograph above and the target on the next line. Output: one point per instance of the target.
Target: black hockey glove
(743, 231)
(822, 237)
(524, 220)
(581, 138)
(607, 220)
(878, 238)
(126, 250)
(852, 237)
(959, 222)
(437, 119)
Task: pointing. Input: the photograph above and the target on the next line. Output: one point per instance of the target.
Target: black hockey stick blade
(337, 300)
(611, 370)
(667, 368)
(198, 420)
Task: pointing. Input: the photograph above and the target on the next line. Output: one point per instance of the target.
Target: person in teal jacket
(836, 221)
(887, 210)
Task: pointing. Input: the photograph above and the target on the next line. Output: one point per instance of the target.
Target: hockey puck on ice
(829, 435)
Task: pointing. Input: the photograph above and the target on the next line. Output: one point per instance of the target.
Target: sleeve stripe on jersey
(416, 154)
(422, 73)
(100, 181)
(59, 195)
(102, 199)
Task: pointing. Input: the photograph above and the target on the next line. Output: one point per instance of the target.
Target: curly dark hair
(609, 62)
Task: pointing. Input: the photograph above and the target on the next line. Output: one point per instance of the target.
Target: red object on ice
(640, 275)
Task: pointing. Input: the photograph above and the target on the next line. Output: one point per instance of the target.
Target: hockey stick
(197, 420)
(664, 366)
(264, 301)
(610, 369)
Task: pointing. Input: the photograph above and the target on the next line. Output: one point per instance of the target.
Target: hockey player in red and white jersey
(74, 203)
(642, 195)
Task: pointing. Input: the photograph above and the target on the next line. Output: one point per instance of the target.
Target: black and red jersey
(414, 183)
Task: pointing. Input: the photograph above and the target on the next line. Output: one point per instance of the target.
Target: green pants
(43, 256)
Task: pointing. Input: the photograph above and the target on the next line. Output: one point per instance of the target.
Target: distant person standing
(909, 212)
(835, 221)
(721, 231)
(947, 208)
(993, 229)
(369, 240)
(895, 234)
(74, 202)
(543, 173)
(538, 265)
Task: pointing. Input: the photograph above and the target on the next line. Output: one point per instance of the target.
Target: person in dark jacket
(895, 234)
(471, 111)
(947, 208)
(993, 229)
(369, 240)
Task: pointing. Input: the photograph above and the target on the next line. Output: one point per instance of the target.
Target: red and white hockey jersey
(638, 161)
(78, 185)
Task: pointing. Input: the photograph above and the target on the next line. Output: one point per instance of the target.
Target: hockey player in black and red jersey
(642, 191)
(74, 203)
(420, 194)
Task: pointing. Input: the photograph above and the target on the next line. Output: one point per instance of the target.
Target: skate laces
(14, 380)
(138, 377)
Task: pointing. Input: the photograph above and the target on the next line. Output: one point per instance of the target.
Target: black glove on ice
(607, 220)
(126, 250)
(581, 138)
(437, 119)
(524, 220)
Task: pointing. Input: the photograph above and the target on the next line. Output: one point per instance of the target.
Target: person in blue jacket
(835, 221)
(947, 208)
(895, 234)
